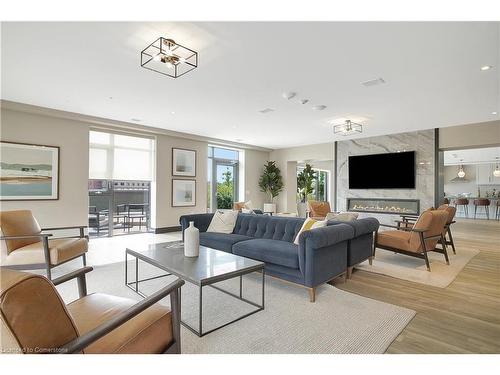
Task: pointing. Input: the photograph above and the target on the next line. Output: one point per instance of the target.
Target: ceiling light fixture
(494, 113)
(348, 128)
(169, 58)
(486, 67)
(496, 172)
(461, 172)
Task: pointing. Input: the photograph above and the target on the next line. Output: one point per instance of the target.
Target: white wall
(254, 165)
(72, 137)
(468, 136)
(287, 158)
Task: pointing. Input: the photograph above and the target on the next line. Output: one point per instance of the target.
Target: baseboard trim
(167, 229)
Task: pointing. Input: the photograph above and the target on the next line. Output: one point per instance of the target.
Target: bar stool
(497, 211)
(482, 202)
(464, 203)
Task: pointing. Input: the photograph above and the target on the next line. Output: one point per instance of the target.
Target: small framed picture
(183, 193)
(183, 162)
(29, 172)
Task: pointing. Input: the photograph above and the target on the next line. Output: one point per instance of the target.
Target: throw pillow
(223, 222)
(308, 225)
(342, 216)
(247, 211)
(248, 205)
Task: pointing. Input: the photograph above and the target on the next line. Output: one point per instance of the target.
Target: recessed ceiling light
(486, 67)
(172, 113)
(373, 82)
(319, 107)
(289, 95)
(266, 110)
(136, 119)
(494, 113)
(239, 139)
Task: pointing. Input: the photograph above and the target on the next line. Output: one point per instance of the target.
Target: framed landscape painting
(28, 172)
(183, 193)
(183, 162)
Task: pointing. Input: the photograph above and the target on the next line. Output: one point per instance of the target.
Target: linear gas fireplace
(384, 205)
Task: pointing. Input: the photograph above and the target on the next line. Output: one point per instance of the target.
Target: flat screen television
(382, 171)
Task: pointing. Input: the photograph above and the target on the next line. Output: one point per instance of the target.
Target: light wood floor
(462, 318)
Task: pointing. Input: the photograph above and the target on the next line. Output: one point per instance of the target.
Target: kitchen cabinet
(484, 175)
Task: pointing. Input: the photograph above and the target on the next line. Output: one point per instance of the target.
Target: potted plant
(305, 181)
(271, 183)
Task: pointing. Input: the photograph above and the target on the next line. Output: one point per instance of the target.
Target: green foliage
(270, 181)
(225, 191)
(305, 181)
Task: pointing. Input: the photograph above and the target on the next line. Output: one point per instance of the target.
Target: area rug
(338, 322)
(413, 269)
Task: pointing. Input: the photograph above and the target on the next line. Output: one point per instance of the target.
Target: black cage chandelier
(348, 128)
(167, 57)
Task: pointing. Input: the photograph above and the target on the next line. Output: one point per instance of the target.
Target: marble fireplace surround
(422, 142)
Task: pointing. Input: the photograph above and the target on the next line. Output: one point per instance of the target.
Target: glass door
(225, 175)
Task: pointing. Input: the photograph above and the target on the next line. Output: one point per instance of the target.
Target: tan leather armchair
(318, 209)
(27, 246)
(417, 240)
(447, 235)
(34, 319)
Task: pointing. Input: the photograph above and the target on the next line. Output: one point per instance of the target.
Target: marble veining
(422, 142)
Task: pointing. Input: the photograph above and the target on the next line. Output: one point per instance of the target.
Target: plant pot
(270, 208)
(302, 209)
(191, 241)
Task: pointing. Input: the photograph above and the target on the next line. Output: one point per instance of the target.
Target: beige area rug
(413, 269)
(339, 322)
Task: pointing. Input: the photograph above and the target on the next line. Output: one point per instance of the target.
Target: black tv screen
(382, 171)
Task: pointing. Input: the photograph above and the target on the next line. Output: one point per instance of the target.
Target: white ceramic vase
(191, 241)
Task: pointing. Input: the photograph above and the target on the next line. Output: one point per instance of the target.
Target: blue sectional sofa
(322, 253)
(360, 247)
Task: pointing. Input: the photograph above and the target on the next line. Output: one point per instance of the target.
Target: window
(223, 173)
(320, 185)
(120, 157)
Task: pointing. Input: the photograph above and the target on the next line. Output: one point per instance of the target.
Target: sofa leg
(370, 260)
(312, 294)
(349, 272)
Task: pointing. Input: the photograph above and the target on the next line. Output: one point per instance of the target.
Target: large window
(320, 187)
(120, 157)
(223, 172)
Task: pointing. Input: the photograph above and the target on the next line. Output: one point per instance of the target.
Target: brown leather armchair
(417, 240)
(409, 221)
(34, 318)
(26, 246)
(318, 209)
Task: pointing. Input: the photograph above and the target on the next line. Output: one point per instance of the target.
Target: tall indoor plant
(271, 183)
(305, 180)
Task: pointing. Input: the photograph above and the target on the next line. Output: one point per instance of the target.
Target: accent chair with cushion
(34, 319)
(27, 246)
(318, 209)
(417, 240)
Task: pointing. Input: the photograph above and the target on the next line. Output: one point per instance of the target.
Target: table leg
(136, 274)
(200, 332)
(241, 286)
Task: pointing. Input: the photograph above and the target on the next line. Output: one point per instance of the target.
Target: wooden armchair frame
(423, 238)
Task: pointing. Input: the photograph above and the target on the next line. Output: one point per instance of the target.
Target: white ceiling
(432, 73)
(472, 156)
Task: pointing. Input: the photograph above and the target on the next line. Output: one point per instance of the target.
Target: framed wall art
(29, 172)
(183, 193)
(183, 162)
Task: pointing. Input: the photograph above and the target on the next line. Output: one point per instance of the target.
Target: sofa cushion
(282, 253)
(221, 241)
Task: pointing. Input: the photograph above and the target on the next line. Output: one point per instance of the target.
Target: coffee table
(210, 267)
